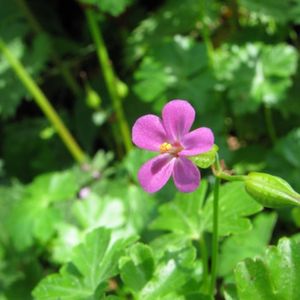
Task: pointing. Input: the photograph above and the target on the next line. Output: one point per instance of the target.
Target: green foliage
(70, 232)
(169, 72)
(234, 207)
(274, 276)
(256, 74)
(173, 17)
(35, 215)
(207, 159)
(186, 215)
(113, 7)
(248, 244)
(150, 279)
(34, 57)
(85, 277)
(274, 9)
(284, 158)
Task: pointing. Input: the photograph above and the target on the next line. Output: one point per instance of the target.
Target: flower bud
(271, 191)
(122, 88)
(206, 159)
(93, 99)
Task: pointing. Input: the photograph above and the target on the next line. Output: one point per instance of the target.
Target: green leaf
(159, 272)
(234, 207)
(152, 80)
(113, 7)
(284, 159)
(97, 211)
(68, 236)
(137, 268)
(137, 206)
(64, 285)
(248, 244)
(34, 215)
(205, 160)
(184, 214)
(173, 17)
(92, 264)
(169, 71)
(273, 9)
(275, 276)
(53, 187)
(255, 74)
(170, 274)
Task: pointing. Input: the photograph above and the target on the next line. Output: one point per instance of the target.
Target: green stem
(206, 34)
(225, 176)
(43, 103)
(270, 124)
(215, 245)
(219, 173)
(65, 72)
(204, 256)
(109, 77)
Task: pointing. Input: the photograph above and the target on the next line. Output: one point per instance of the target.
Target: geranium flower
(170, 137)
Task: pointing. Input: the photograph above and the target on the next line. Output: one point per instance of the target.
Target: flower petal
(148, 133)
(178, 117)
(155, 173)
(197, 141)
(186, 175)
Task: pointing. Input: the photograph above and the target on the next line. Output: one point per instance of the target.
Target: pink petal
(178, 117)
(197, 141)
(186, 175)
(148, 133)
(155, 173)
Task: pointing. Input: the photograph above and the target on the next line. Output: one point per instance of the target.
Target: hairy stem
(44, 104)
(204, 257)
(109, 76)
(215, 245)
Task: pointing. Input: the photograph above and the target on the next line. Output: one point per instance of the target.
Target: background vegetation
(101, 64)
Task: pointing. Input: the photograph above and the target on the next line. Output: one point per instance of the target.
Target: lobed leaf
(275, 276)
(248, 244)
(92, 263)
(235, 205)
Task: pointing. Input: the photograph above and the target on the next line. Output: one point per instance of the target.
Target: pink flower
(172, 139)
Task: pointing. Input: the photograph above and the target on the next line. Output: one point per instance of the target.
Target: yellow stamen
(165, 147)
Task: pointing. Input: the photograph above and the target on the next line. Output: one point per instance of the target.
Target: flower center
(171, 149)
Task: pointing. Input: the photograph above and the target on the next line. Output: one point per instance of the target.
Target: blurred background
(235, 61)
(75, 75)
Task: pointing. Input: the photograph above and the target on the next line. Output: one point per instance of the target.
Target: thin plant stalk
(109, 76)
(206, 34)
(65, 72)
(204, 258)
(223, 175)
(44, 104)
(270, 124)
(215, 243)
(215, 237)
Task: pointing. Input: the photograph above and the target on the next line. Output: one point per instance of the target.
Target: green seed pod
(93, 99)
(271, 191)
(122, 88)
(205, 160)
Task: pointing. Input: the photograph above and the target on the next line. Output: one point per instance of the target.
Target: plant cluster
(85, 214)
